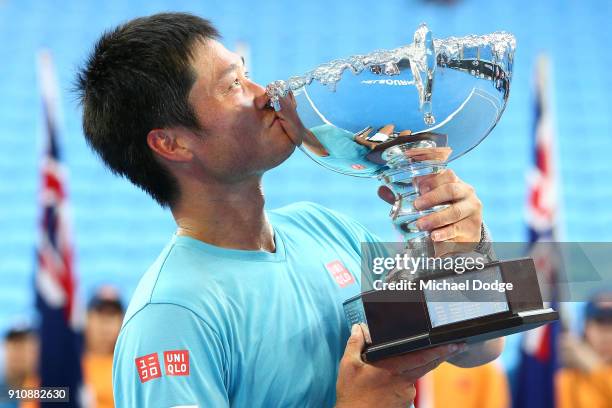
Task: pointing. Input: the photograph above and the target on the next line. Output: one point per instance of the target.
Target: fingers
(289, 119)
(418, 359)
(287, 104)
(288, 108)
(461, 221)
(414, 375)
(431, 181)
(440, 154)
(458, 211)
(354, 346)
(288, 101)
(446, 193)
(446, 233)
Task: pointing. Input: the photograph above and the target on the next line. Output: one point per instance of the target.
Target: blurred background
(117, 231)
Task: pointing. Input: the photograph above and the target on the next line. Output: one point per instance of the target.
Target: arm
(167, 356)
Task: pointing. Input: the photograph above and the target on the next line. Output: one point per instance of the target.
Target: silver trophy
(400, 114)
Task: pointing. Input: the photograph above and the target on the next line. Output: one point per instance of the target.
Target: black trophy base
(407, 320)
(476, 332)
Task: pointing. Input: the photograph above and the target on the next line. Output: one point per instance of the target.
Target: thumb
(355, 343)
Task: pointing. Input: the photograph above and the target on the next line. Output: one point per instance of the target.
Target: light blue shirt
(216, 327)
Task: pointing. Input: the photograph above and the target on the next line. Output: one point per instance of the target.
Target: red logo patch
(358, 166)
(342, 276)
(176, 362)
(148, 367)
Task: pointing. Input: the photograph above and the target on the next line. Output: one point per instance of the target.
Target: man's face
(21, 356)
(242, 137)
(599, 336)
(102, 330)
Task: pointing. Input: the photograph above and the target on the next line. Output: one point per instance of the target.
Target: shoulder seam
(212, 330)
(177, 305)
(159, 271)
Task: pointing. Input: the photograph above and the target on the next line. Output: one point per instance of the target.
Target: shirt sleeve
(167, 356)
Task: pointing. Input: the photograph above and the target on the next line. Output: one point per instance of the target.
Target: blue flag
(535, 385)
(55, 282)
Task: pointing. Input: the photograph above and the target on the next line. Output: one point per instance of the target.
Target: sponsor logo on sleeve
(148, 367)
(176, 362)
(340, 274)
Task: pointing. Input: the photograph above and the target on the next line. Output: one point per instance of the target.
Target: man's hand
(461, 222)
(289, 119)
(387, 383)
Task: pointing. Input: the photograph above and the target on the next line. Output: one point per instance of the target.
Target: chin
(283, 155)
(278, 148)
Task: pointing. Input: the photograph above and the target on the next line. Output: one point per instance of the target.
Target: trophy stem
(406, 162)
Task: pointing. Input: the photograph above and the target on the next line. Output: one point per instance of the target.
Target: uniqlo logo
(148, 367)
(176, 362)
(341, 275)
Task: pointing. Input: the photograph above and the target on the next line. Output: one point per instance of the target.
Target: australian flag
(538, 360)
(55, 281)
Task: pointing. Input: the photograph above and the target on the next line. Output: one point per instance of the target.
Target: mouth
(273, 121)
(269, 105)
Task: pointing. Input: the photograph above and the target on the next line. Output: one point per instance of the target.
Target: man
(104, 316)
(241, 307)
(21, 350)
(586, 378)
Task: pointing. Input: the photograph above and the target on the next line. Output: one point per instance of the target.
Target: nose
(261, 98)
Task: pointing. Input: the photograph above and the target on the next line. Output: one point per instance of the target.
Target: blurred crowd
(104, 317)
(583, 381)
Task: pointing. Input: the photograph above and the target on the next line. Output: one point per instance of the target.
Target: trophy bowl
(400, 114)
(457, 87)
(434, 100)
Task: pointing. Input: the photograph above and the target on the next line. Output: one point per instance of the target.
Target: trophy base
(477, 331)
(401, 321)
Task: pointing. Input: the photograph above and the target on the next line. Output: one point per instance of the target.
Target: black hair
(138, 78)
(19, 334)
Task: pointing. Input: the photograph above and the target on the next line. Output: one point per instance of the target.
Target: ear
(169, 144)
